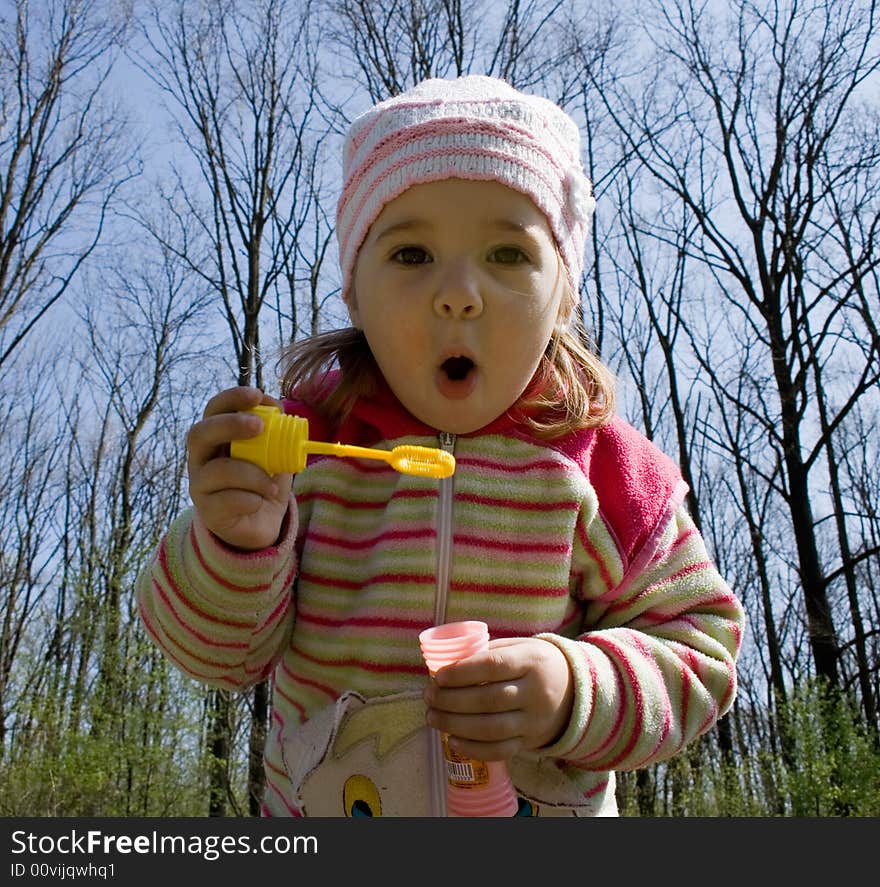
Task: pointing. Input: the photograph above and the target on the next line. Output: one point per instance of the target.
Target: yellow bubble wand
(283, 447)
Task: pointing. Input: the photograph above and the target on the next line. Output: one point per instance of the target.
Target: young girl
(461, 226)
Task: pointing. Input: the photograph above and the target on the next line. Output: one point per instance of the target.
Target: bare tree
(139, 329)
(391, 46)
(854, 195)
(97, 479)
(29, 499)
(240, 83)
(63, 152)
(739, 130)
(240, 86)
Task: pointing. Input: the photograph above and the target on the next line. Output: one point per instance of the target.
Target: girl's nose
(458, 294)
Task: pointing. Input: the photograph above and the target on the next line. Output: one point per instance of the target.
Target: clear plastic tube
(475, 788)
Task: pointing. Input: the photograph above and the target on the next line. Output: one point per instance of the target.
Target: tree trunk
(218, 752)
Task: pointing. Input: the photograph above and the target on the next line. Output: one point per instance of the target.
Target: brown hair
(574, 388)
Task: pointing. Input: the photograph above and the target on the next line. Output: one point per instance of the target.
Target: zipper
(444, 534)
(445, 494)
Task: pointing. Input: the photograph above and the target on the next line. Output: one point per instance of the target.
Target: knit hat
(473, 127)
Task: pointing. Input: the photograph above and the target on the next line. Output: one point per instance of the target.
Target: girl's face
(457, 288)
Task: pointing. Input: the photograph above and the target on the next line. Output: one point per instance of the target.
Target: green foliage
(150, 762)
(834, 769)
(837, 771)
(98, 777)
(135, 753)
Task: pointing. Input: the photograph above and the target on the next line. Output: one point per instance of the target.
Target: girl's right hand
(237, 501)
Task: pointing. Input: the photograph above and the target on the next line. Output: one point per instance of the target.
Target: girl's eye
(411, 255)
(507, 255)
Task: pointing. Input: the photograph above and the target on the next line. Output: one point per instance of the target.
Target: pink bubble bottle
(475, 788)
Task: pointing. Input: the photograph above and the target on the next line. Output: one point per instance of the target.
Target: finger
(211, 437)
(223, 474)
(490, 666)
(229, 508)
(242, 397)
(496, 697)
(498, 727)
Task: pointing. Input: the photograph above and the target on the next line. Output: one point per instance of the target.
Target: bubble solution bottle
(475, 788)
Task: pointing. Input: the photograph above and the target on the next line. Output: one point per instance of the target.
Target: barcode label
(460, 771)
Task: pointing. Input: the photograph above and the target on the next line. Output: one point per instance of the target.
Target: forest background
(168, 176)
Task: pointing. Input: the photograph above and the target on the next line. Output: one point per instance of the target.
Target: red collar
(381, 416)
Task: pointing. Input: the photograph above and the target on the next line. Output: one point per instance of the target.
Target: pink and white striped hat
(473, 127)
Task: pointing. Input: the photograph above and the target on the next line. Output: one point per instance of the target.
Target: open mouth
(457, 369)
(457, 377)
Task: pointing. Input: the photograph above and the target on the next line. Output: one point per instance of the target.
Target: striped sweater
(584, 542)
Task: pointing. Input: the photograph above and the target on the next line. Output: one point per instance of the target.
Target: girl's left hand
(515, 696)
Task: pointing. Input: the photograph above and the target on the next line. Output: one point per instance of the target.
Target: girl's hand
(237, 501)
(515, 696)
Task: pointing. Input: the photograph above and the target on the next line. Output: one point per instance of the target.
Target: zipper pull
(447, 441)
